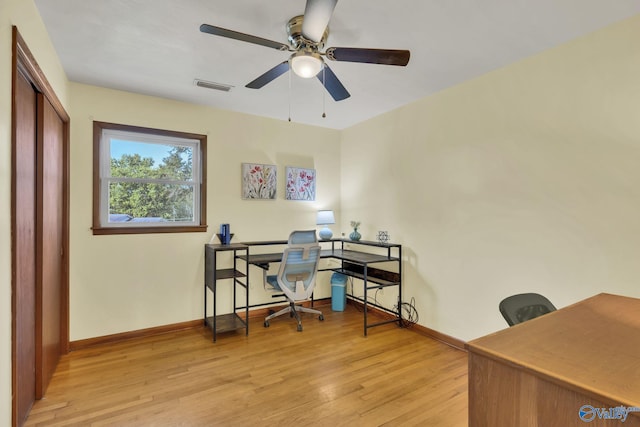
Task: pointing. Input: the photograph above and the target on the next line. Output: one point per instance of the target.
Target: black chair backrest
(522, 307)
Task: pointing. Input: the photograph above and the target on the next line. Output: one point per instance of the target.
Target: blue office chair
(296, 277)
(522, 307)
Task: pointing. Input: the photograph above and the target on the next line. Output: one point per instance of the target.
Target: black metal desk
(354, 263)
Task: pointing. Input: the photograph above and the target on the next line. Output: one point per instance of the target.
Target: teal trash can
(338, 291)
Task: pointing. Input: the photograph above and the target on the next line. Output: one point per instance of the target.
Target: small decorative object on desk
(355, 236)
(383, 237)
(325, 218)
(222, 239)
(225, 234)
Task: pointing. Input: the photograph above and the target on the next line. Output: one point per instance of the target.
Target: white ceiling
(154, 47)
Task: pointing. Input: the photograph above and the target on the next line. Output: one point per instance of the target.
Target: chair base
(294, 311)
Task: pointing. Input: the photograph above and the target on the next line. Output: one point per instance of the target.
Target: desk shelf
(382, 277)
(381, 282)
(226, 322)
(228, 273)
(212, 275)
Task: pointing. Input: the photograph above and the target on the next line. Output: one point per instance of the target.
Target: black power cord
(409, 313)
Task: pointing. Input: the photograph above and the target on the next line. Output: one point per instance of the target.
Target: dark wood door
(40, 231)
(24, 248)
(49, 232)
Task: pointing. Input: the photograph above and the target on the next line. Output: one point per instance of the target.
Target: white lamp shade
(325, 217)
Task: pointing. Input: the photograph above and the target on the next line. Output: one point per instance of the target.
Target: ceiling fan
(307, 36)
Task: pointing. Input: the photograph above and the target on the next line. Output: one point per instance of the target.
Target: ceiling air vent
(212, 85)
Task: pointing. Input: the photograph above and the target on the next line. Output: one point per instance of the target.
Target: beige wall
(23, 14)
(525, 179)
(122, 283)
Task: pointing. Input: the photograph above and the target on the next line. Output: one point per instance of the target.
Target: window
(147, 180)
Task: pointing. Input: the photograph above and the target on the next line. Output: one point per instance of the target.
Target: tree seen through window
(151, 190)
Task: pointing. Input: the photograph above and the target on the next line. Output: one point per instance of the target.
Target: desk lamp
(324, 218)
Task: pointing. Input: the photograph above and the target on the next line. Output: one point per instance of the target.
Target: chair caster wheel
(321, 317)
(266, 324)
(299, 328)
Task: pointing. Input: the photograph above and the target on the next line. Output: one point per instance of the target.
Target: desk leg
(366, 298)
(215, 314)
(400, 287)
(246, 293)
(214, 296)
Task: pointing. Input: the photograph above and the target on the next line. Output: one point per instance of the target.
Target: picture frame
(300, 183)
(259, 181)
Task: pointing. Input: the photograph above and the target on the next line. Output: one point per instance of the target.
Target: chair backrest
(299, 265)
(522, 307)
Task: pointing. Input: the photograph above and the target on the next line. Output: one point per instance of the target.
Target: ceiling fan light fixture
(306, 64)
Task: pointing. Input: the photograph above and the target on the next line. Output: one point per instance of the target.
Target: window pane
(131, 159)
(147, 202)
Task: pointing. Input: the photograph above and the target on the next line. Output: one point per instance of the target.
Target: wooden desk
(541, 372)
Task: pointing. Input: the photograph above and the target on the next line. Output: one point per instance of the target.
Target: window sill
(98, 231)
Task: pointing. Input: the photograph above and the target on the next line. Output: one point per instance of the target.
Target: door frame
(24, 63)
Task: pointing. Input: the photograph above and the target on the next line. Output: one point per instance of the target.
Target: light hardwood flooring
(327, 375)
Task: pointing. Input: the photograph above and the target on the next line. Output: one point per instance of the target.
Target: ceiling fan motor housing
(297, 39)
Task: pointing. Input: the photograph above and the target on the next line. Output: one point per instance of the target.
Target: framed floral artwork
(301, 184)
(259, 181)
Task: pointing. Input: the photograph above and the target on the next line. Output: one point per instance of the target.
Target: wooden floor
(327, 375)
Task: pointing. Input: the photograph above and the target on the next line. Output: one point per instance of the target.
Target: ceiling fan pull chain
(323, 93)
(289, 95)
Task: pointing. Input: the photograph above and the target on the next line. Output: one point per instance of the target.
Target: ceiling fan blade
(369, 56)
(317, 14)
(332, 84)
(223, 32)
(269, 76)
